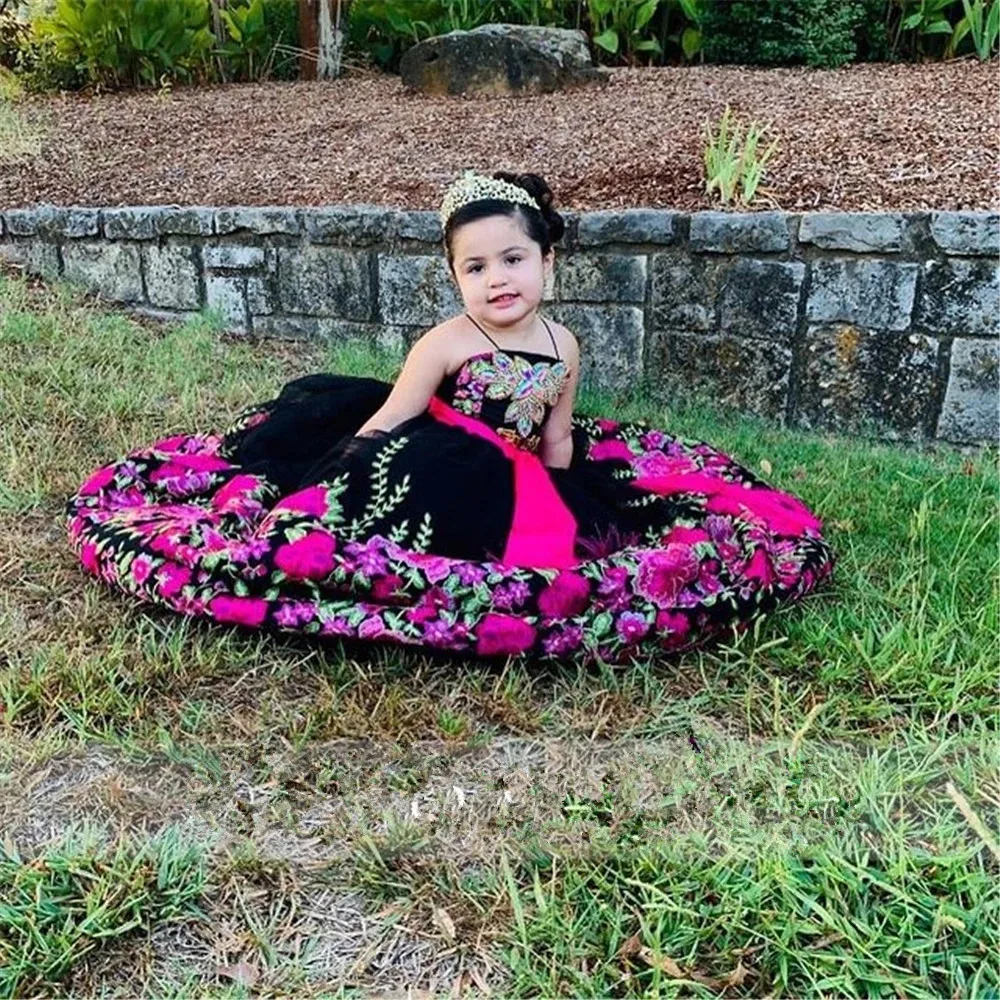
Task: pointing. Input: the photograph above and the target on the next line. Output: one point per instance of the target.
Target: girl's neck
(524, 329)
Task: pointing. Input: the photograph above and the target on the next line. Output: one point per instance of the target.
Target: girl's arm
(557, 434)
(426, 365)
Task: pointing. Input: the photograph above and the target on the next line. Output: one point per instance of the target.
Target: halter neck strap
(555, 347)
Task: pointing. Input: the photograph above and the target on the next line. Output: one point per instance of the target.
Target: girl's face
(500, 271)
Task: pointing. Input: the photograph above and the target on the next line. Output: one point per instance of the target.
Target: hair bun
(542, 193)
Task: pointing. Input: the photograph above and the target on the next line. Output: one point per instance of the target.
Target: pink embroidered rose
(170, 443)
(238, 610)
(172, 578)
(307, 558)
(673, 628)
(98, 481)
(435, 568)
(386, 588)
(141, 568)
(686, 536)
(239, 488)
(663, 573)
(312, 500)
(603, 450)
(565, 596)
(88, 556)
(658, 464)
(500, 635)
(759, 568)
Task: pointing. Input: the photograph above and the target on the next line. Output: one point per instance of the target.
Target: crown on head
(472, 187)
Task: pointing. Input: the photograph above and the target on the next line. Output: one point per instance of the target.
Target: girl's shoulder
(569, 349)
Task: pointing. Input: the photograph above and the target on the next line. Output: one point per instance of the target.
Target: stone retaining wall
(886, 322)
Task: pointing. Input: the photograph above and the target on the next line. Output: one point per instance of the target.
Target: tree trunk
(322, 25)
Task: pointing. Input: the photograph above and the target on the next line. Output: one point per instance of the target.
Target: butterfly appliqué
(530, 387)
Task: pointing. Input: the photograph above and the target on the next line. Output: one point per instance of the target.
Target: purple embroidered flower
(188, 483)
(442, 635)
(131, 497)
(614, 580)
(511, 595)
(652, 440)
(244, 552)
(371, 627)
(470, 574)
(295, 613)
(632, 626)
(337, 625)
(563, 640)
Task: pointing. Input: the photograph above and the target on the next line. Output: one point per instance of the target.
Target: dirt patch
(862, 138)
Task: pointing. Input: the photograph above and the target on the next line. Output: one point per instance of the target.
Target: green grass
(62, 903)
(772, 817)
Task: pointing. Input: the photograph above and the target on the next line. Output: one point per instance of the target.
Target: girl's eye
(513, 259)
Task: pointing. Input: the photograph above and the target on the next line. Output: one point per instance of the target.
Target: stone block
(960, 298)
(35, 256)
(861, 232)
(858, 380)
(133, 223)
(972, 399)
(739, 232)
(226, 295)
(40, 220)
(260, 295)
(870, 293)
(611, 343)
(736, 372)
(322, 281)
(172, 276)
(262, 221)
(760, 298)
(173, 221)
(290, 327)
(233, 256)
(683, 292)
(424, 226)
(354, 224)
(970, 233)
(416, 290)
(113, 269)
(634, 225)
(601, 278)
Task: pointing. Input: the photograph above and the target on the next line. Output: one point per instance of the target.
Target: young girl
(462, 508)
(474, 445)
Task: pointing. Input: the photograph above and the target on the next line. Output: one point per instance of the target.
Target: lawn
(190, 810)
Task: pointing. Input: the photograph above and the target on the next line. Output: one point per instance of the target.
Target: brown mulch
(863, 138)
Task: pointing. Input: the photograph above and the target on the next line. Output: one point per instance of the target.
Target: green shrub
(281, 21)
(792, 32)
(131, 42)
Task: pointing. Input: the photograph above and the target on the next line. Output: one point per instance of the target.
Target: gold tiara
(472, 187)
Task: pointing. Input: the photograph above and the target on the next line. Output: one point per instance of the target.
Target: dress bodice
(512, 392)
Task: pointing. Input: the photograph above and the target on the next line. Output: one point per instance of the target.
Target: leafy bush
(131, 42)
(281, 23)
(786, 32)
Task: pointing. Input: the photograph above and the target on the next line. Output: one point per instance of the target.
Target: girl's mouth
(504, 300)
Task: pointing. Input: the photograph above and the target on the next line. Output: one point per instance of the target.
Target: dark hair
(544, 225)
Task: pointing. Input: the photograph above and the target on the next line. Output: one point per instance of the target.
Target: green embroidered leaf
(602, 624)
(294, 534)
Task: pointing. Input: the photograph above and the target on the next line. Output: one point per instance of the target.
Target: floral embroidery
(235, 552)
(530, 387)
